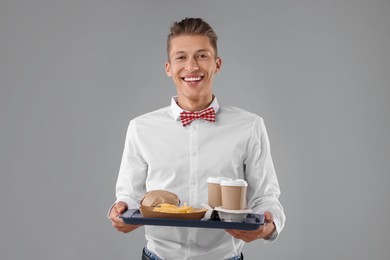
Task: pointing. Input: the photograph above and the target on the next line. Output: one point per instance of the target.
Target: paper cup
(233, 194)
(214, 191)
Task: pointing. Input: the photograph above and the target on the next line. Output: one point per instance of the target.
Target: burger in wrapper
(165, 204)
(156, 197)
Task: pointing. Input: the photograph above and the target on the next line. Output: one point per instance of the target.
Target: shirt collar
(176, 110)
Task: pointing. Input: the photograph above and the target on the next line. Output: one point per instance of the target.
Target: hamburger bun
(156, 197)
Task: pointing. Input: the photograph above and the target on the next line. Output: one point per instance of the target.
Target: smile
(192, 79)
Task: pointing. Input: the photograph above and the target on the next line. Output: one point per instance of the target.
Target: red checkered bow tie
(206, 114)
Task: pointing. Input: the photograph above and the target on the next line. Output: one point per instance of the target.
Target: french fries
(169, 208)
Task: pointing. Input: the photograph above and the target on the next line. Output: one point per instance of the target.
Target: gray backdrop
(73, 73)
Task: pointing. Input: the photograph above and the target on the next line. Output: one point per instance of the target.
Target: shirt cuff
(272, 237)
(278, 229)
(109, 211)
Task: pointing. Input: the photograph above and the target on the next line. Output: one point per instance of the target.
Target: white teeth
(193, 79)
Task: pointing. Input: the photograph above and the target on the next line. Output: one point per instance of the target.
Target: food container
(227, 215)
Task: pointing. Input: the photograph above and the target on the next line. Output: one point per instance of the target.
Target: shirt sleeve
(263, 186)
(130, 186)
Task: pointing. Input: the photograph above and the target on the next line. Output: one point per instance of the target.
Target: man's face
(192, 65)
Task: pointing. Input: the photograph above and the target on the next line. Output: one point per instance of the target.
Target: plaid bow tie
(206, 114)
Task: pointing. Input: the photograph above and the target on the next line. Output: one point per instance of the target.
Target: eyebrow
(183, 52)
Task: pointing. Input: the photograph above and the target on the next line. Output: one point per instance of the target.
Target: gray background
(73, 73)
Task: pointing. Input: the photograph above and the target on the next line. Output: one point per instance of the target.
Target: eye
(202, 56)
(180, 57)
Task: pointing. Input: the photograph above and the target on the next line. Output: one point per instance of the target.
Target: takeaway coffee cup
(214, 190)
(233, 194)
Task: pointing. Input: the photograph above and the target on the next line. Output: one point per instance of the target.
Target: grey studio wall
(73, 73)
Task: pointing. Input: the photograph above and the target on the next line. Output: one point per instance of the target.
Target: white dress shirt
(160, 153)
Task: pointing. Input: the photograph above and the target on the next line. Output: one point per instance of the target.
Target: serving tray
(252, 222)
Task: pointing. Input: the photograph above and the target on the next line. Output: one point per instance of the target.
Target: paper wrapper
(156, 197)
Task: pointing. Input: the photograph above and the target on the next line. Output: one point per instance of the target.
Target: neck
(195, 105)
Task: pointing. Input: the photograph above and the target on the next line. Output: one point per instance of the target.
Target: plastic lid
(217, 180)
(237, 182)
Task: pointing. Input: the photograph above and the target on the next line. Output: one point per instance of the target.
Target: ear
(218, 64)
(168, 70)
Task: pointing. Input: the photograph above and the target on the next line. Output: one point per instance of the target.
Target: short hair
(192, 26)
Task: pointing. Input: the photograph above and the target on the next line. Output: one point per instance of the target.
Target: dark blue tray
(252, 222)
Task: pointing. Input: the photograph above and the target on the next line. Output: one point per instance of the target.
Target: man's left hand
(264, 231)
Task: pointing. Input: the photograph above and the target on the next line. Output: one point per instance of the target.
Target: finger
(114, 216)
(118, 209)
(113, 212)
(233, 232)
(239, 234)
(127, 228)
(268, 217)
(117, 221)
(121, 207)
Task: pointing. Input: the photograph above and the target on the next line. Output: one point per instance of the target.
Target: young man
(165, 151)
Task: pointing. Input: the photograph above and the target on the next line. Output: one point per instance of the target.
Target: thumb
(121, 207)
(268, 217)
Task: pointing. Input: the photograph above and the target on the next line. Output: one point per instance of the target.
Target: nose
(191, 65)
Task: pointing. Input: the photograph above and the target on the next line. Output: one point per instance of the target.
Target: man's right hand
(117, 222)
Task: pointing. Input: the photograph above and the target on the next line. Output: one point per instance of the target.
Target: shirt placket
(194, 167)
(194, 163)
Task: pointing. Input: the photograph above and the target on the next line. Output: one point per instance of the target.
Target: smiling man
(177, 148)
(192, 65)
